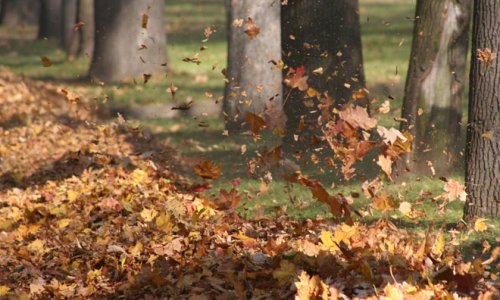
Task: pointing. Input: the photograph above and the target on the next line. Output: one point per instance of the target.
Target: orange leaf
(46, 62)
(207, 169)
(256, 122)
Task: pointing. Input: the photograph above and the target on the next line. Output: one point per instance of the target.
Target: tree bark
(319, 34)
(50, 19)
(124, 49)
(483, 131)
(254, 79)
(81, 39)
(70, 14)
(19, 12)
(435, 84)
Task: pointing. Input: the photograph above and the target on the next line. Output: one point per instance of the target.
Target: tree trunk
(435, 84)
(70, 13)
(81, 38)
(319, 34)
(124, 49)
(19, 12)
(254, 82)
(50, 19)
(483, 131)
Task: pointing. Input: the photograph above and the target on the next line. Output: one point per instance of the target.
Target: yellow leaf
(164, 222)
(136, 250)
(148, 214)
(393, 292)
(313, 93)
(36, 246)
(385, 164)
(405, 208)
(139, 177)
(480, 225)
(63, 223)
(72, 195)
(4, 290)
(438, 247)
(93, 274)
(285, 272)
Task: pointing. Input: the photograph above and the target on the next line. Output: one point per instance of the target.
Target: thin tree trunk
(19, 12)
(50, 19)
(124, 49)
(254, 79)
(70, 13)
(82, 37)
(319, 34)
(483, 131)
(435, 84)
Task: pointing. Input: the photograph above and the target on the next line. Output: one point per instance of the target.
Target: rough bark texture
(483, 130)
(50, 19)
(254, 82)
(82, 39)
(19, 12)
(435, 84)
(123, 48)
(326, 34)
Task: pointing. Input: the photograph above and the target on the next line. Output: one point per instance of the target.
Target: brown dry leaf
(145, 20)
(318, 71)
(309, 288)
(455, 190)
(486, 56)
(78, 26)
(207, 169)
(358, 117)
(256, 123)
(252, 30)
(146, 77)
(360, 94)
(285, 272)
(385, 107)
(385, 164)
(46, 62)
(229, 199)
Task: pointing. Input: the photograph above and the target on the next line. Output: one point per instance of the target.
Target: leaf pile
(93, 210)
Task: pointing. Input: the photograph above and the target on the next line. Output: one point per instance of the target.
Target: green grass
(386, 36)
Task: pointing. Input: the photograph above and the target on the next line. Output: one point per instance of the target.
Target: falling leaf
(146, 77)
(252, 30)
(318, 71)
(385, 107)
(145, 20)
(256, 123)
(78, 26)
(358, 117)
(360, 94)
(438, 247)
(298, 80)
(207, 169)
(486, 56)
(480, 225)
(46, 62)
(385, 164)
(455, 190)
(238, 22)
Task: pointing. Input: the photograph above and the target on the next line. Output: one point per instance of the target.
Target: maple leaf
(455, 190)
(252, 30)
(207, 169)
(358, 117)
(486, 56)
(229, 199)
(256, 123)
(298, 80)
